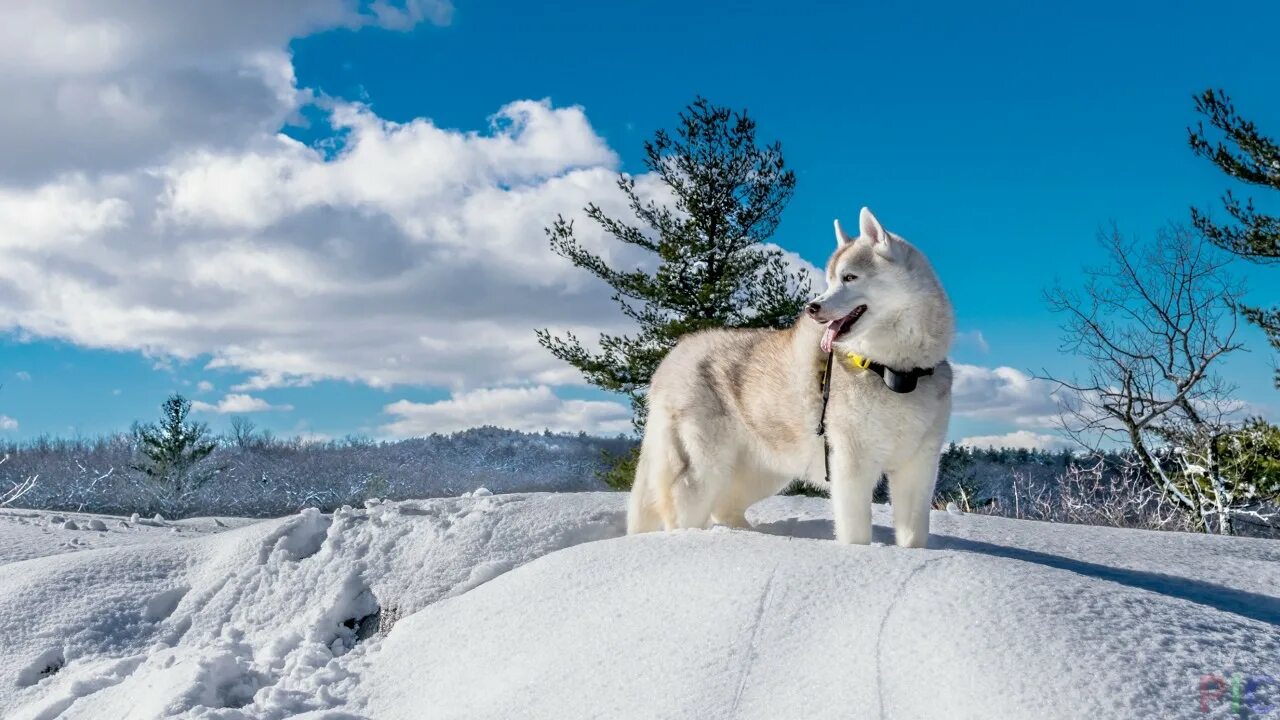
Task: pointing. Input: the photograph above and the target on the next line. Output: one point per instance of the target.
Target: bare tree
(1153, 325)
(243, 432)
(16, 489)
(1091, 493)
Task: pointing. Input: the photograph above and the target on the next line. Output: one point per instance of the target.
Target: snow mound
(532, 606)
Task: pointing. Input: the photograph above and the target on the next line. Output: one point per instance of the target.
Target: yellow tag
(858, 361)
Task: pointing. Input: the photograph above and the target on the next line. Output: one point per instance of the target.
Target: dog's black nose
(813, 308)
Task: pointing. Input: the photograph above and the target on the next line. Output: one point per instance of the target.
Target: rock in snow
(497, 606)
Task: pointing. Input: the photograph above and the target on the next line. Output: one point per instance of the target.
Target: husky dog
(733, 414)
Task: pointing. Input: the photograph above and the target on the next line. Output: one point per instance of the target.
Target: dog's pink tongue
(829, 335)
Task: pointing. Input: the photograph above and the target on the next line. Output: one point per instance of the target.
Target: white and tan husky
(733, 414)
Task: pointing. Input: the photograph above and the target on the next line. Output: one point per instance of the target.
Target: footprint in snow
(44, 665)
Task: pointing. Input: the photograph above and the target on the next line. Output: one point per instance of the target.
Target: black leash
(826, 394)
(822, 419)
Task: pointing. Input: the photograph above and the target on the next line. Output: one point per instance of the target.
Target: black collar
(899, 381)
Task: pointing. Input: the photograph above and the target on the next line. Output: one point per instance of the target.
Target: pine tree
(172, 451)
(712, 268)
(1251, 157)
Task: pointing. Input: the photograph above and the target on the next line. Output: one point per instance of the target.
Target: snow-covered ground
(512, 606)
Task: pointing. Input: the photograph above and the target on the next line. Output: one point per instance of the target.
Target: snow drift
(497, 606)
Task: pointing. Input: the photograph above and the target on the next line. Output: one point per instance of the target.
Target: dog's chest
(861, 403)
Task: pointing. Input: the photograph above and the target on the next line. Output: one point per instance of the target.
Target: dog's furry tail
(649, 507)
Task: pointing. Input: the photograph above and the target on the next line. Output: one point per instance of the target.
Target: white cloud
(148, 202)
(238, 403)
(1003, 394)
(204, 386)
(529, 408)
(974, 339)
(416, 255)
(1018, 439)
(112, 85)
(8, 423)
(817, 278)
(23, 375)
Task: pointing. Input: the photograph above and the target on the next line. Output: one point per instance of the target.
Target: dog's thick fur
(733, 413)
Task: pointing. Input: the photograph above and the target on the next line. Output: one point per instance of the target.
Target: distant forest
(257, 475)
(262, 476)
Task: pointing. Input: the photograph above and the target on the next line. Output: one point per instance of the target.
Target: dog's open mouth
(836, 328)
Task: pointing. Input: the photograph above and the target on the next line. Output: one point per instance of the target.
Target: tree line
(176, 467)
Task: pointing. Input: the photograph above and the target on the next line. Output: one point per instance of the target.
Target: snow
(533, 606)
(28, 534)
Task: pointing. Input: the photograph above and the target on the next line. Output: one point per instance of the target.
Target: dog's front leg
(852, 483)
(911, 492)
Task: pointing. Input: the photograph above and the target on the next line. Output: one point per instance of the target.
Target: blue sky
(998, 139)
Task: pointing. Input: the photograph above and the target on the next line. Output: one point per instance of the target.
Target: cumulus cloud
(238, 403)
(112, 85)
(416, 255)
(149, 202)
(8, 423)
(1003, 394)
(529, 409)
(1018, 439)
(204, 386)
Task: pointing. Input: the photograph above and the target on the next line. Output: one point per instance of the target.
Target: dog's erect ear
(841, 238)
(871, 229)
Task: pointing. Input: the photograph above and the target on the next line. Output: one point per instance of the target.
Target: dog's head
(874, 276)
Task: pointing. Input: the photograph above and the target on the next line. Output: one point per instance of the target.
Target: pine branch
(1247, 155)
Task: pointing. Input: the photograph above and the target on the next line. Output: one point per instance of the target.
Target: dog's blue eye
(849, 277)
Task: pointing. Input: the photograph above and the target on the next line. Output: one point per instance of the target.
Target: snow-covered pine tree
(712, 268)
(172, 451)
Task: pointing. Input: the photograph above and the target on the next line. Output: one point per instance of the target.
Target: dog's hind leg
(731, 511)
(911, 492)
(650, 506)
(749, 485)
(692, 501)
(642, 515)
(708, 478)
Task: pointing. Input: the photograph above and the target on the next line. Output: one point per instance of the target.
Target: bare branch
(1153, 324)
